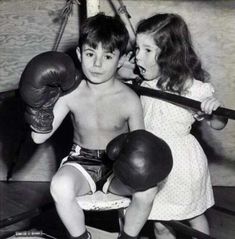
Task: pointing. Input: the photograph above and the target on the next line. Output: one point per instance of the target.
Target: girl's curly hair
(177, 60)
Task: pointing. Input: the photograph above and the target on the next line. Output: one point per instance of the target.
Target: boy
(102, 108)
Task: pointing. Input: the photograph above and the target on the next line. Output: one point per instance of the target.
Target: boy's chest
(107, 114)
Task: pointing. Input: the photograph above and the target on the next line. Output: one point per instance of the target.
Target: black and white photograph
(117, 119)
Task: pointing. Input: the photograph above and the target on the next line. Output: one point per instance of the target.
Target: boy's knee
(145, 197)
(62, 188)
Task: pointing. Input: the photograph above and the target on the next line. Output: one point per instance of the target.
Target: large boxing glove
(142, 160)
(45, 78)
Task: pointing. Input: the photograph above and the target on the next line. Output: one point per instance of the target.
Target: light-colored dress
(187, 192)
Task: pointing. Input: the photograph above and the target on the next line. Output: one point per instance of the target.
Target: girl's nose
(98, 61)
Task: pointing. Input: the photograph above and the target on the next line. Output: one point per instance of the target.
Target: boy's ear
(78, 51)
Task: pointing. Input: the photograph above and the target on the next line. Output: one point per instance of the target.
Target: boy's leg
(137, 213)
(163, 232)
(66, 185)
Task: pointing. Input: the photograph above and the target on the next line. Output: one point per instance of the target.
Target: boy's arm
(45, 78)
(60, 110)
(136, 118)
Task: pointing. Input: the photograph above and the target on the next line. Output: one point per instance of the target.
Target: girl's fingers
(209, 105)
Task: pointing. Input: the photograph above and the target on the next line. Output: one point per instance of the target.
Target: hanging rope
(120, 10)
(123, 10)
(63, 16)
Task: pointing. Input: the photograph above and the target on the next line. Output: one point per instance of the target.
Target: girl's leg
(163, 232)
(138, 211)
(66, 185)
(200, 223)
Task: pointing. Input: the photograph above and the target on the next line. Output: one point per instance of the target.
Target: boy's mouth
(95, 73)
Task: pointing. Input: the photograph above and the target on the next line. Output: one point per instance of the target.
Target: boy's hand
(142, 160)
(45, 78)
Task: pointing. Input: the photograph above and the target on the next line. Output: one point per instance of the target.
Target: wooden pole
(93, 7)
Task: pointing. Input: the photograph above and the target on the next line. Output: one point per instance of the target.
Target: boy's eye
(108, 57)
(89, 54)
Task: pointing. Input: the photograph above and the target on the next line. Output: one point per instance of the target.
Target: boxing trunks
(93, 164)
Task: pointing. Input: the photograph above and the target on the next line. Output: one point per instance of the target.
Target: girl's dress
(187, 191)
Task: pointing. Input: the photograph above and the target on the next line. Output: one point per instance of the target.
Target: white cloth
(187, 191)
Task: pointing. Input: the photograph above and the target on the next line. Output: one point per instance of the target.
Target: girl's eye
(147, 50)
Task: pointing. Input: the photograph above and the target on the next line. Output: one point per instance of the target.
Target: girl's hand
(210, 104)
(126, 70)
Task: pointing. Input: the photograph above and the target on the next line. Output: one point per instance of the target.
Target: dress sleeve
(207, 90)
(200, 91)
(144, 104)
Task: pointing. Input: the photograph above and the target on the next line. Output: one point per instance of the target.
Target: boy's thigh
(73, 180)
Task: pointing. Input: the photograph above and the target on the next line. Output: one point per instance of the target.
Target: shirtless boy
(102, 107)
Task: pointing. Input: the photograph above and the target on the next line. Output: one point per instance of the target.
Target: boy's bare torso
(100, 113)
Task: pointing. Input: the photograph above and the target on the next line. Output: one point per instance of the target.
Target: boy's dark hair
(108, 30)
(177, 60)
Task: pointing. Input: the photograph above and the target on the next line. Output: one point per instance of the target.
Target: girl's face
(147, 53)
(99, 65)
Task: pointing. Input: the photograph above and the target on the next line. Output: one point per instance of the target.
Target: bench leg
(121, 213)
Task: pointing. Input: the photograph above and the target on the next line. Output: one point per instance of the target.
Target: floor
(28, 205)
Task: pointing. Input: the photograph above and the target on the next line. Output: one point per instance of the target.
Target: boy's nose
(137, 56)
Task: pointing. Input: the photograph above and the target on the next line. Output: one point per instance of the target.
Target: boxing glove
(142, 160)
(45, 78)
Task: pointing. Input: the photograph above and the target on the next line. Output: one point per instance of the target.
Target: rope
(186, 230)
(64, 15)
(177, 99)
(124, 15)
(123, 10)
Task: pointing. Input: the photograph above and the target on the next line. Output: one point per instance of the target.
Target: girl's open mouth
(141, 69)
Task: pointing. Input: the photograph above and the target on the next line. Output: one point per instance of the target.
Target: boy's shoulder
(128, 98)
(125, 89)
(75, 90)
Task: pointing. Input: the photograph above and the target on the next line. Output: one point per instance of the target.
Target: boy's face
(147, 53)
(98, 65)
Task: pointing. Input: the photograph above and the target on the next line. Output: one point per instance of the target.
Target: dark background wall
(28, 28)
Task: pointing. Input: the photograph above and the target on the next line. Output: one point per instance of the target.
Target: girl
(167, 61)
